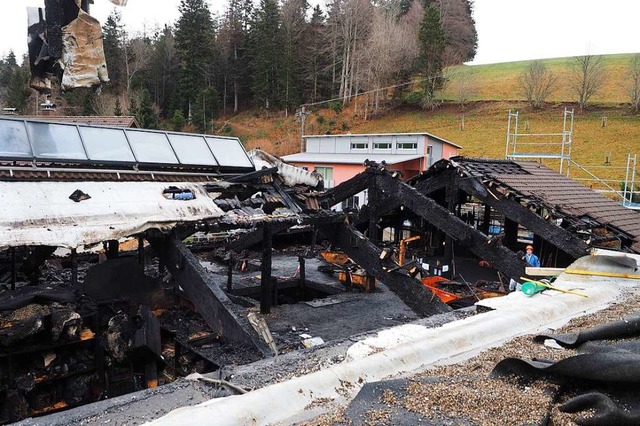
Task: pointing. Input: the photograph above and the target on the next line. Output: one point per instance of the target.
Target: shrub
(335, 106)
(413, 98)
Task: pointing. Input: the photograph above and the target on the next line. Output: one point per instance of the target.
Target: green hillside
(496, 82)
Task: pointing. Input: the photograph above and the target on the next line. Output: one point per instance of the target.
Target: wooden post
(303, 276)
(113, 246)
(265, 279)
(232, 261)
(74, 269)
(141, 250)
(14, 271)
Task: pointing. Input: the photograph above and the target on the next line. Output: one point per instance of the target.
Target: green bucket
(529, 288)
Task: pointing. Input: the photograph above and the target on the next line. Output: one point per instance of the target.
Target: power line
(375, 90)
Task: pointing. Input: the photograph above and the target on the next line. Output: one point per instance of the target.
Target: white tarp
(41, 213)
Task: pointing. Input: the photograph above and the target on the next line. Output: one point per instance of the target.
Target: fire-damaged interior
(132, 258)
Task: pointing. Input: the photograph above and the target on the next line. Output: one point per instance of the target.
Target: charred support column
(486, 222)
(510, 233)
(218, 311)
(367, 255)
(14, 270)
(452, 198)
(113, 246)
(374, 201)
(265, 278)
(230, 266)
(303, 274)
(141, 250)
(74, 270)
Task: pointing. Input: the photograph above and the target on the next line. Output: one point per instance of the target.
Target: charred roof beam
(515, 211)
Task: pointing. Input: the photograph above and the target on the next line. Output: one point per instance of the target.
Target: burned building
(131, 258)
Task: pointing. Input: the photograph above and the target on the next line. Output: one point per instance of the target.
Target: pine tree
(117, 111)
(293, 32)
(18, 87)
(195, 41)
(178, 121)
(112, 40)
(233, 38)
(145, 114)
(205, 109)
(266, 55)
(432, 45)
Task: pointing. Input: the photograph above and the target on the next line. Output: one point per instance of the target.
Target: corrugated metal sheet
(41, 213)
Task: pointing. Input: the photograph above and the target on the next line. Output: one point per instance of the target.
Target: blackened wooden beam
(435, 182)
(348, 188)
(265, 276)
(515, 211)
(253, 237)
(366, 254)
(220, 313)
(248, 177)
(500, 257)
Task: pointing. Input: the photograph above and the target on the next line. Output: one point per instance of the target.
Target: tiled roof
(111, 121)
(535, 181)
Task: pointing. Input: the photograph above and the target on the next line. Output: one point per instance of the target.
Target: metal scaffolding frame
(561, 150)
(551, 149)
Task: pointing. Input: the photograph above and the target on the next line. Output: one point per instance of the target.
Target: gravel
(466, 391)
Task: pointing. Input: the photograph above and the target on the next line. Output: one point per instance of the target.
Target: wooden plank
(543, 272)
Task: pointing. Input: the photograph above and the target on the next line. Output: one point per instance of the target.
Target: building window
(407, 145)
(429, 157)
(359, 145)
(351, 203)
(326, 172)
(382, 145)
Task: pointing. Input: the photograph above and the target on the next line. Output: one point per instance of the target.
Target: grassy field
(485, 119)
(498, 82)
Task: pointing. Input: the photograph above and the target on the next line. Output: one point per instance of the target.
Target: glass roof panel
(151, 147)
(56, 141)
(106, 144)
(192, 149)
(229, 152)
(13, 139)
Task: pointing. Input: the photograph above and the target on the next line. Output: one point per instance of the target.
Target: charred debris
(118, 278)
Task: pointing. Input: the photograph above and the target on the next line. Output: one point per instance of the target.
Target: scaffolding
(538, 146)
(557, 146)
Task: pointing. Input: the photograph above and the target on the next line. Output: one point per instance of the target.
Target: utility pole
(302, 113)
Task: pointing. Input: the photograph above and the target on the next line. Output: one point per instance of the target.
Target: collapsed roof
(538, 187)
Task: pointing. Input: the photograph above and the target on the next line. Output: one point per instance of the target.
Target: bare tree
(537, 82)
(137, 55)
(103, 104)
(633, 84)
(350, 23)
(465, 88)
(391, 51)
(587, 77)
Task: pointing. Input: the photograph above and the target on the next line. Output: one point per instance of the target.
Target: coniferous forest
(268, 56)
